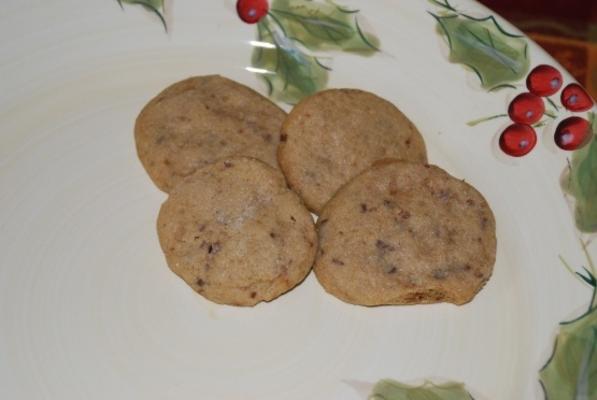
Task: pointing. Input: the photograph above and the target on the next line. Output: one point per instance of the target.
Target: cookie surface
(405, 233)
(236, 234)
(334, 135)
(203, 119)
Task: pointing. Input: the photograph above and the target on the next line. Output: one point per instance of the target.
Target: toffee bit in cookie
(337, 261)
(283, 137)
(292, 219)
(444, 195)
(200, 282)
(214, 248)
(470, 202)
(363, 207)
(272, 235)
(182, 118)
(404, 214)
(381, 245)
(391, 269)
(253, 295)
(228, 164)
(389, 204)
(415, 297)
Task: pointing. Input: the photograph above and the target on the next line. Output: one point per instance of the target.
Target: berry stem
(550, 115)
(589, 259)
(551, 102)
(485, 119)
(540, 124)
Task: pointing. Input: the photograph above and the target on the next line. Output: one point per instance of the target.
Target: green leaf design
(388, 389)
(571, 371)
(323, 26)
(288, 35)
(496, 56)
(289, 71)
(580, 181)
(155, 6)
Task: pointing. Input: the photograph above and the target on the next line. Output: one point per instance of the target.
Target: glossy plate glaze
(88, 307)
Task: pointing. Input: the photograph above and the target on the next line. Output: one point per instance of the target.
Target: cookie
(203, 119)
(405, 233)
(236, 234)
(334, 135)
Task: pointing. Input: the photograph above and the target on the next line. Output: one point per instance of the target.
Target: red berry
(251, 11)
(572, 133)
(575, 98)
(544, 80)
(518, 140)
(526, 108)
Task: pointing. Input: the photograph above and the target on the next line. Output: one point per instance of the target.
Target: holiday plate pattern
(88, 307)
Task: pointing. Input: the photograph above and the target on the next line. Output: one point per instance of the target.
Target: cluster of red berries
(528, 108)
(251, 11)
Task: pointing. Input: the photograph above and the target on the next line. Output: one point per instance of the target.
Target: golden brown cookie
(405, 233)
(203, 119)
(334, 135)
(236, 234)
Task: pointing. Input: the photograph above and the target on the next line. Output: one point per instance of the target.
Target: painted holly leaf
(289, 71)
(323, 26)
(497, 57)
(580, 181)
(155, 6)
(388, 389)
(571, 371)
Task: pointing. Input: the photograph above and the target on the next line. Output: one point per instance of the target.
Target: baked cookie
(236, 234)
(334, 135)
(405, 233)
(203, 119)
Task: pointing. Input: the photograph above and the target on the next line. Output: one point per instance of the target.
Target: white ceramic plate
(88, 306)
